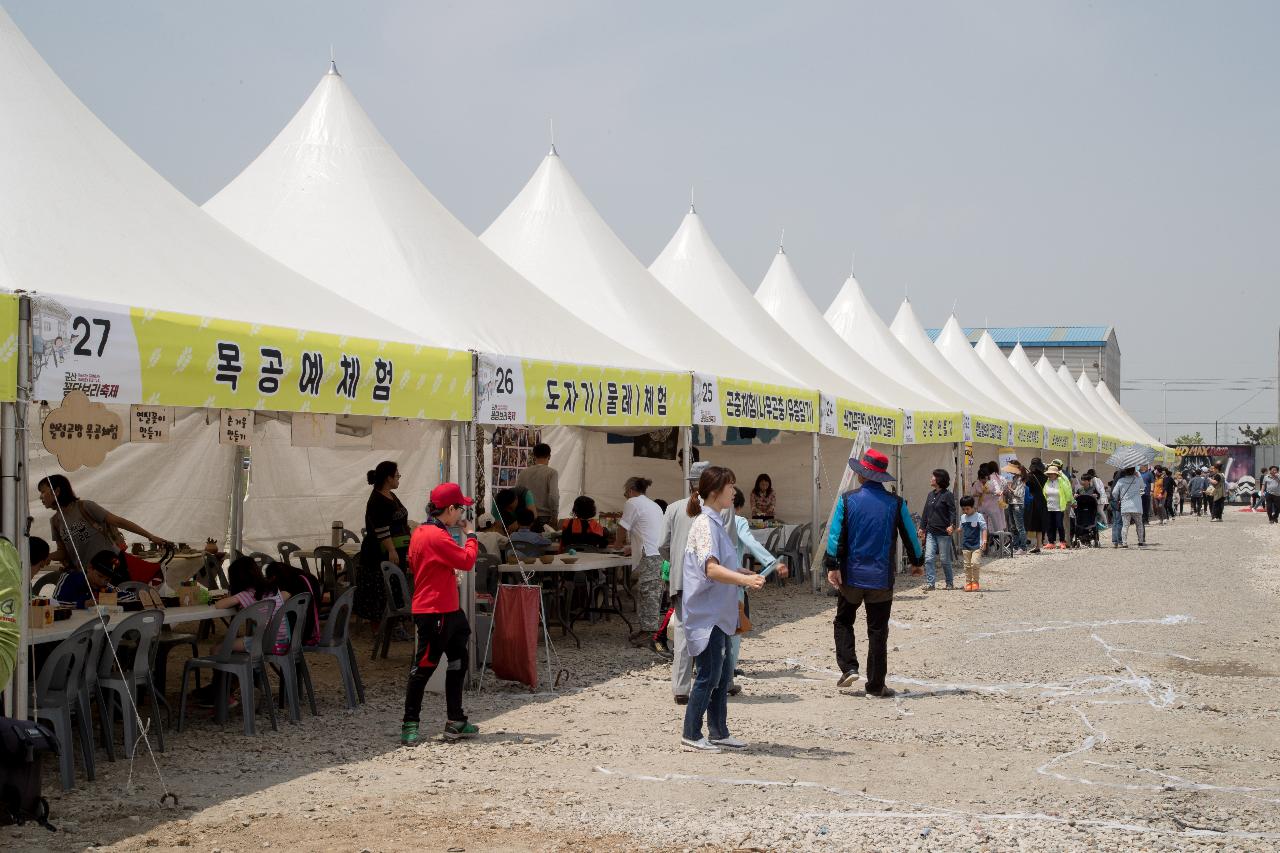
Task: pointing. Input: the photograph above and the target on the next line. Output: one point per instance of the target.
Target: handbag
(744, 621)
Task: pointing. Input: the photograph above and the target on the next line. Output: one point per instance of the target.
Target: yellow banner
(932, 427)
(1060, 440)
(841, 417)
(988, 430)
(1087, 442)
(1028, 435)
(721, 401)
(1108, 444)
(8, 347)
(547, 393)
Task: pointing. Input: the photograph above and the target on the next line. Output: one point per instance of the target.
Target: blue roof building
(1093, 348)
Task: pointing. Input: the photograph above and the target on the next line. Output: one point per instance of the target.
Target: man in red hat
(438, 620)
(861, 555)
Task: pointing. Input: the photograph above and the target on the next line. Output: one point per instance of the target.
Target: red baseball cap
(448, 494)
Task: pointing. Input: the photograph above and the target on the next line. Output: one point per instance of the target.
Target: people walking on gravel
(1217, 492)
(973, 541)
(1157, 495)
(937, 523)
(1271, 493)
(746, 544)
(1128, 493)
(1035, 513)
(1196, 488)
(712, 577)
(862, 546)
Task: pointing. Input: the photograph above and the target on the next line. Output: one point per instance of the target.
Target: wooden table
(565, 615)
(59, 631)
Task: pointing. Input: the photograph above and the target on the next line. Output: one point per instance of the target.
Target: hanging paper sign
(931, 427)
(1087, 442)
(966, 427)
(989, 430)
(80, 433)
(8, 347)
(398, 434)
(131, 355)
(1060, 440)
(236, 427)
(1108, 444)
(720, 401)
(528, 391)
(885, 426)
(312, 430)
(150, 424)
(1028, 435)
(828, 416)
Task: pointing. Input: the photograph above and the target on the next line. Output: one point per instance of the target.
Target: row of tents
(327, 256)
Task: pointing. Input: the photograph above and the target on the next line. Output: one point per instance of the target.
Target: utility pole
(1164, 393)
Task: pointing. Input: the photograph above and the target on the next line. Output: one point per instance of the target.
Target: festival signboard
(987, 430)
(843, 418)
(721, 401)
(118, 354)
(1029, 435)
(931, 427)
(517, 391)
(1060, 441)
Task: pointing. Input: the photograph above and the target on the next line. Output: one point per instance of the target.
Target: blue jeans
(1019, 527)
(1117, 525)
(937, 546)
(710, 693)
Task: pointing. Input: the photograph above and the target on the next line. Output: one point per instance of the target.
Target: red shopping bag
(144, 571)
(515, 634)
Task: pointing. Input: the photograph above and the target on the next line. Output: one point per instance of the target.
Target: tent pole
(239, 492)
(446, 454)
(686, 434)
(813, 520)
(13, 501)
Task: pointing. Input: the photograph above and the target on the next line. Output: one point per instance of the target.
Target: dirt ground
(1092, 700)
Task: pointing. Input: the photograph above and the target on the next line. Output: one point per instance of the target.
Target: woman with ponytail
(386, 538)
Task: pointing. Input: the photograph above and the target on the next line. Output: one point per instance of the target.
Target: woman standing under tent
(988, 493)
(1034, 512)
(763, 501)
(81, 529)
(1058, 498)
(712, 575)
(1017, 501)
(386, 524)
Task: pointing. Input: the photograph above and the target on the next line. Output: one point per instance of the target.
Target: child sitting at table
(582, 530)
(246, 585)
(81, 589)
(523, 540)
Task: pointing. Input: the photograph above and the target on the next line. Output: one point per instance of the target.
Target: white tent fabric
(553, 236)
(330, 198)
(1080, 419)
(692, 268)
(1104, 422)
(784, 298)
(1137, 431)
(907, 329)
(82, 216)
(1022, 366)
(851, 316)
(954, 346)
(1037, 397)
(1119, 429)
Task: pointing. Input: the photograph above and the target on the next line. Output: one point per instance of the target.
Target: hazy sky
(1114, 162)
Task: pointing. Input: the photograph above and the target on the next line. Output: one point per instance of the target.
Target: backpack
(22, 743)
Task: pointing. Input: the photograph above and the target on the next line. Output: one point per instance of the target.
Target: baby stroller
(1084, 530)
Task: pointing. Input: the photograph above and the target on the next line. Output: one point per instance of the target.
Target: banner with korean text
(1028, 435)
(932, 427)
(8, 347)
(987, 430)
(116, 354)
(1060, 441)
(1087, 442)
(719, 401)
(1108, 444)
(842, 418)
(527, 391)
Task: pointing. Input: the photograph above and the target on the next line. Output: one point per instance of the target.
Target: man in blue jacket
(862, 551)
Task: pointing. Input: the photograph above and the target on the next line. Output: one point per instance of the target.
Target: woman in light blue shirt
(746, 544)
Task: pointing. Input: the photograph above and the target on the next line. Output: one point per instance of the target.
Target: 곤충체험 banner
(721, 401)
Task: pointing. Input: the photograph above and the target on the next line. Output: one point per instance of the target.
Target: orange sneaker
(968, 587)
(1062, 546)
(976, 588)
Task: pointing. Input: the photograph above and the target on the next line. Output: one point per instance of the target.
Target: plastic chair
(334, 565)
(243, 665)
(794, 551)
(167, 642)
(92, 691)
(291, 664)
(335, 640)
(773, 541)
(263, 560)
(287, 550)
(57, 700)
(211, 573)
(350, 536)
(395, 586)
(132, 675)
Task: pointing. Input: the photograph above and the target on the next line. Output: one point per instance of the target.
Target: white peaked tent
(553, 236)
(907, 329)
(862, 329)
(695, 272)
(954, 346)
(330, 198)
(1022, 366)
(82, 216)
(785, 299)
(1136, 430)
(1119, 429)
(1080, 419)
(1103, 422)
(1036, 397)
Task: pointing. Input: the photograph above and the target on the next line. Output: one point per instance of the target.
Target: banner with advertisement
(721, 401)
(117, 354)
(843, 418)
(8, 347)
(988, 430)
(520, 391)
(1060, 440)
(932, 427)
(1028, 435)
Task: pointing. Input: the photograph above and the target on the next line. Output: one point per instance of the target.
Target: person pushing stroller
(1085, 527)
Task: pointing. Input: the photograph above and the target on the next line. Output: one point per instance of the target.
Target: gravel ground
(1099, 700)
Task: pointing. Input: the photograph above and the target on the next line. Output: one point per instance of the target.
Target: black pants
(878, 603)
(1146, 509)
(1196, 502)
(1273, 508)
(438, 634)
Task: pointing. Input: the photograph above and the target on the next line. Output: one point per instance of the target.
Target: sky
(1027, 163)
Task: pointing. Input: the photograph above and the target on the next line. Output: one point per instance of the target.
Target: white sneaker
(730, 742)
(699, 745)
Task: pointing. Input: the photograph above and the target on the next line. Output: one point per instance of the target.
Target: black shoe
(660, 651)
(738, 672)
(682, 700)
(883, 693)
(848, 679)
(930, 588)
(735, 689)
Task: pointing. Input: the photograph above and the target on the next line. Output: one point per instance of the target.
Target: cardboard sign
(312, 430)
(150, 424)
(81, 433)
(236, 427)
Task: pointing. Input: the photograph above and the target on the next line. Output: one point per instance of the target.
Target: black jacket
(939, 512)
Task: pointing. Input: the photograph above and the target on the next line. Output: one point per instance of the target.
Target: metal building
(1094, 348)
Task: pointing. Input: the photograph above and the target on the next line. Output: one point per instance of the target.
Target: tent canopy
(955, 348)
(330, 198)
(82, 216)
(1037, 399)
